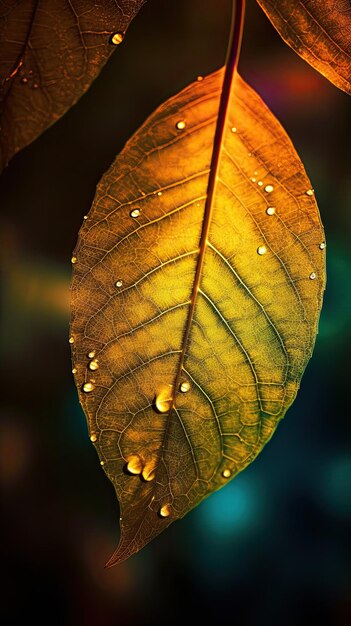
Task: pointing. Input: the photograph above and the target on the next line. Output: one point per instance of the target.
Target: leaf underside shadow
(319, 31)
(50, 53)
(256, 306)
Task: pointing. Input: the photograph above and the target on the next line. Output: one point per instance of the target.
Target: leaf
(184, 370)
(319, 31)
(50, 52)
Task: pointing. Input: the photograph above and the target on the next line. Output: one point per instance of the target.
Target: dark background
(273, 547)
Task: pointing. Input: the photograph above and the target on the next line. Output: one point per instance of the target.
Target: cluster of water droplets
(27, 79)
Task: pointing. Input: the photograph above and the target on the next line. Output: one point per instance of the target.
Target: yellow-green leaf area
(180, 403)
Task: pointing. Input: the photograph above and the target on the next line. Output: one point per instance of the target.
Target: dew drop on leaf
(261, 250)
(185, 386)
(149, 473)
(226, 473)
(269, 188)
(117, 38)
(135, 213)
(134, 465)
(163, 400)
(88, 387)
(270, 210)
(165, 510)
(180, 125)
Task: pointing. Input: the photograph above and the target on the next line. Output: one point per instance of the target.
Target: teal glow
(230, 510)
(336, 312)
(337, 486)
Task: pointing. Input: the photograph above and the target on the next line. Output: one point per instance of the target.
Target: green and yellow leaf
(193, 319)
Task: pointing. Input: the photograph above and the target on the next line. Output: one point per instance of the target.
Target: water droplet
(35, 86)
(270, 210)
(24, 80)
(313, 275)
(234, 129)
(116, 38)
(226, 473)
(253, 179)
(159, 193)
(135, 213)
(102, 462)
(165, 510)
(74, 371)
(310, 192)
(93, 365)
(134, 465)
(185, 386)
(71, 340)
(85, 217)
(88, 387)
(181, 125)
(91, 354)
(261, 250)
(119, 283)
(93, 437)
(149, 473)
(163, 400)
(199, 78)
(260, 183)
(74, 259)
(322, 245)
(269, 188)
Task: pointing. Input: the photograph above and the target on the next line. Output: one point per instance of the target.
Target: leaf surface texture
(319, 31)
(50, 52)
(178, 404)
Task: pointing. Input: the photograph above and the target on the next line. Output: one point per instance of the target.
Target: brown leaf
(50, 52)
(319, 31)
(193, 316)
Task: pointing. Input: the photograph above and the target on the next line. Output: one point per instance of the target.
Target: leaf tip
(123, 551)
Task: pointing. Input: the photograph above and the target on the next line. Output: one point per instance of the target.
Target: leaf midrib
(231, 65)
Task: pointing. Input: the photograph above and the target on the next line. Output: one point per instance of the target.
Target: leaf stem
(238, 13)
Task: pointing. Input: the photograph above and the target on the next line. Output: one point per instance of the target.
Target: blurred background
(271, 548)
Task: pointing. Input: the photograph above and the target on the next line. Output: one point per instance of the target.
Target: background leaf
(255, 315)
(50, 52)
(319, 31)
